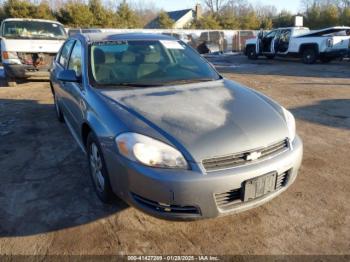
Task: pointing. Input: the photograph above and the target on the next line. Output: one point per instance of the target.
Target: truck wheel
(251, 53)
(11, 82)
(309, 56)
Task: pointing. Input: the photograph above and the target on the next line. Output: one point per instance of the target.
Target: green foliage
(126, 17)
(228, 20)
(249, 21)
(283, 19)
(207, 21)
(75, 14)
(25, 9)
(345, 17)
(101, 16)
(164, 21)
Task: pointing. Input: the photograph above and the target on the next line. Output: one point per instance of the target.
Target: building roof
(176, 15)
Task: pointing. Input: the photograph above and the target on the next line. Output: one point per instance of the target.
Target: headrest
(110, 58)
(99, 56)
(128, 57)
(152, 58)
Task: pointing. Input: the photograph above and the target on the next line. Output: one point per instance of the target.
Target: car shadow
(332, 113)
(44, 180)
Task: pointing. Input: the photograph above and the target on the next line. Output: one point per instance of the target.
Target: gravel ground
(47, 204)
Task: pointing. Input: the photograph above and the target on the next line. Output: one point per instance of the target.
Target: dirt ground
(47, 204)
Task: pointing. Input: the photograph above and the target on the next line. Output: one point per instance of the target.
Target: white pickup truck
(326, 44)
(28, 46)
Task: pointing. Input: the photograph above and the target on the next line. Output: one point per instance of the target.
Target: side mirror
(68, 76)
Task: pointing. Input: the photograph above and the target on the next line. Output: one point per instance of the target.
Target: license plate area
(259, 186)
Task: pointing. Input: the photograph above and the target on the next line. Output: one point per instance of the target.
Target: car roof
(100, 37)
(31, 19)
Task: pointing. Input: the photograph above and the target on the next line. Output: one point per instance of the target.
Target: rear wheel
(309, 56)
(325, 60)
(251, 53)
(98, 170)
(270, 56)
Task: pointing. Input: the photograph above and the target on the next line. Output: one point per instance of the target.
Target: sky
(170, 5)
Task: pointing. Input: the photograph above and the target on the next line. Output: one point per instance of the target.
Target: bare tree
(215, 6)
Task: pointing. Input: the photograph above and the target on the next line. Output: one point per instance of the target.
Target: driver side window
(271, 34)
(75, 59)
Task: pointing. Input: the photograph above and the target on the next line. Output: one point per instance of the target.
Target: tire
(251, 53)
(309, 56)
(326, 60)
(59, 113)
(98, 170)
(270, 56)
(11, 82)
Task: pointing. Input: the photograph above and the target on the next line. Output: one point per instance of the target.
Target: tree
(126, 16)
(75, 14)
(101, 17)
(215, 6)
(283, 19)
(249, 21)
(345, 17)
(207, 21)
(330, 16)
(42, 11)
(18, 8)
(227, 20)
(164, 21)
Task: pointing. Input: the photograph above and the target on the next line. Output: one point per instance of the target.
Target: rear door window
(63, 59)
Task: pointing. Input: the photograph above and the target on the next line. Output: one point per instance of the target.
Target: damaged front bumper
(28, 65)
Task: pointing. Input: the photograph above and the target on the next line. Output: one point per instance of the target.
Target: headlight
(149, 151)
(290, 123)
(9, 55)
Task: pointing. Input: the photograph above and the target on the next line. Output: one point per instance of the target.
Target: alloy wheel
(96, 167)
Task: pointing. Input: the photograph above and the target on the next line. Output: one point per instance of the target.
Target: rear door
(59, 64)
(74, 90)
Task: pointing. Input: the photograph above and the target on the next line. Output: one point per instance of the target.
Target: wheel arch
(249, 46)
(308, 45)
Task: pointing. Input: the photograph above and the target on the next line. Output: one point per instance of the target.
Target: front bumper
(20, 71)
(189, 194)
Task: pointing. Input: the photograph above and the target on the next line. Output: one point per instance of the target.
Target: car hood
(206, 119)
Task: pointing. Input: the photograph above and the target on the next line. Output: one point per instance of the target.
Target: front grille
(242, 158)
(165, 208)
(230, 198)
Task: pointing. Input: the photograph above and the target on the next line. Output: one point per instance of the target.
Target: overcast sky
(169, 5)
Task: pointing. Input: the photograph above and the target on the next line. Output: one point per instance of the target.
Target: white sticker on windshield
(169, 44)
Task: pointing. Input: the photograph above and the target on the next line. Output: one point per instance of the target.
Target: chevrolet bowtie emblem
(252, 156)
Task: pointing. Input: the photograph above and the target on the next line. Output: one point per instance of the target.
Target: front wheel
(98, 170)
(251, 53)
(309, 56)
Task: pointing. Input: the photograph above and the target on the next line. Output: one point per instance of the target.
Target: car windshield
(33, 30)
(147, 63)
